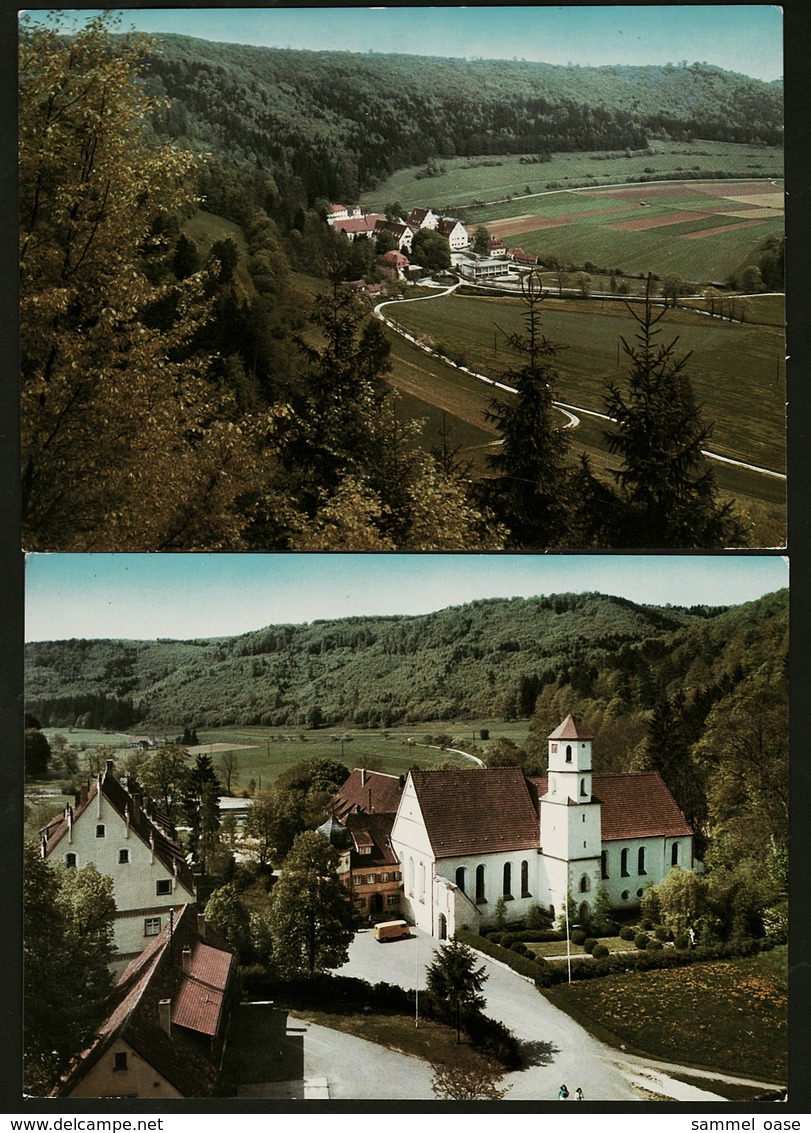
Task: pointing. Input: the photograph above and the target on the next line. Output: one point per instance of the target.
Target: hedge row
(348, 995)
(653, 956)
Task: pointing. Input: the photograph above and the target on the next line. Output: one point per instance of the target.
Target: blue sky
(199, 595)
(737, 37)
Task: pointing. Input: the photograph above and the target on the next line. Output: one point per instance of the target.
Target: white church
(466, 838)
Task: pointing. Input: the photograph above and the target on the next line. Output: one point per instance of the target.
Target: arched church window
(525, 879)
(583, 790)
(585, 883)
(604, 865)
(568, 753)
(506, 888)
(460, 877)
(480, 897)
(674, 854)
(640, 861)
(624, 862)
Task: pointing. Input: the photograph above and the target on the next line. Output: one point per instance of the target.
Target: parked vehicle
(391, 930)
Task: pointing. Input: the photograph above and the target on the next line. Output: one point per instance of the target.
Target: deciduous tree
(311, 910)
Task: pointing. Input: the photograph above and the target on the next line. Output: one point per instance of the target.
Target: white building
(465, 839)
(454, 232)
(128, 839)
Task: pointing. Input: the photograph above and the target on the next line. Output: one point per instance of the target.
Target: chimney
(185, 959)
(201, 925)
(363, 776)
(165, 1015)
(108, 767)
(83, 793)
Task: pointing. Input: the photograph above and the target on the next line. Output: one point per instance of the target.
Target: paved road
(561, 1050)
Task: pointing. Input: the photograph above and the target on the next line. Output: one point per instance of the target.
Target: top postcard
(394, 279)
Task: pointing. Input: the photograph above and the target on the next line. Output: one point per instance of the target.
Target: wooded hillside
(333, 124)
(497, 658)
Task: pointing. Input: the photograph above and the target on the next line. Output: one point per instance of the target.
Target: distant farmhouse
(463, 839)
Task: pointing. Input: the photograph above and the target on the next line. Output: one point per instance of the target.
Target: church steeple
(570, 761)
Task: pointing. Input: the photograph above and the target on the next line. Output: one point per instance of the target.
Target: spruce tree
(668, 495)
(529, 494)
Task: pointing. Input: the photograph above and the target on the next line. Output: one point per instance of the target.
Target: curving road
(570, 411)
(561, 1050)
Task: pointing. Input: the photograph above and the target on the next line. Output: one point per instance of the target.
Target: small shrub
(599, 951)
(507, 939)
(578, 936)
(646, 924)
(654, 944)
(519, 947)
(682, 941)
(588, 944)
(627, 933)
(641, 940)
(661, 933)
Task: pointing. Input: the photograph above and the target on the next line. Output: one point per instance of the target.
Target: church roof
(481, 811)
(634, 805)
(570, 729)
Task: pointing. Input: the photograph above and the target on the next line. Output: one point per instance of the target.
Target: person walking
(578, 1095)
(563, 1093)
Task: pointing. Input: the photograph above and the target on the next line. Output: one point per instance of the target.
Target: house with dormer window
(125, 835)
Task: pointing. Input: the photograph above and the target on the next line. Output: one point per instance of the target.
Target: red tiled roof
(369, 791)
(197, 1007)
(358, 224)
(638, 805)
(634, 805)
(186, 1058)
(371, 831)
(570, 729)
(476, 812)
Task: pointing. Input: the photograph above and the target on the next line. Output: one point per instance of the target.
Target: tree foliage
(455, 984)
(667, 490)
(529, 494)
(311, 911)
(67, 946)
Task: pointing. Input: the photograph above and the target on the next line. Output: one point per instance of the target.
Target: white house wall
(411, 844)
(135, 882)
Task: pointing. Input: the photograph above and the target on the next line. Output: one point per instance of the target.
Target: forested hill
(336, 123)
(498, 658)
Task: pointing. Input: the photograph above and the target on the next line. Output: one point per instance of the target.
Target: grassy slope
(748, 415)
(730, 1015)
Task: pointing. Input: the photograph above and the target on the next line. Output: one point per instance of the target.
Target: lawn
(467, 180)
(728, 1015)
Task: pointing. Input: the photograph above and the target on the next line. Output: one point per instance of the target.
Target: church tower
(571, 832)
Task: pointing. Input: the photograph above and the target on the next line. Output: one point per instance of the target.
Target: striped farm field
(701, 230)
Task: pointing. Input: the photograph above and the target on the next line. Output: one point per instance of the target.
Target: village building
(392, 265)
(363, 811)
(454, 232)
(423, 218)
(477, 268)
(343, 212)
(129, 839)
(519, 256)
(165, 1032)
(359, 227)
(402, 233)
(466, 839)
